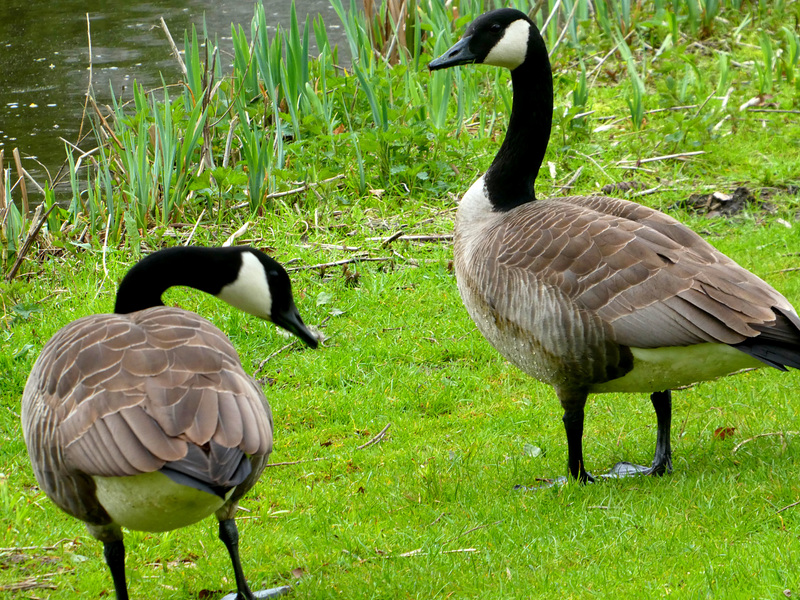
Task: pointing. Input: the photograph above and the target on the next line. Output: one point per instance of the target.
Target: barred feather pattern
(116, 395)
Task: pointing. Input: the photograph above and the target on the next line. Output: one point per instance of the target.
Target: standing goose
(145, 418)
(593, 294)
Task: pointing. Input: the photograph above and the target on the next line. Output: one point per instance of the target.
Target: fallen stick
(780, 510)
(345, 261)
(436, 237)
(2, 180)
(22, 187)
(303, 188)
(571, 182)
(385, 243)
(236, 234)
(297, 462)
(665, 157)
(760, 435)
(271, 356)
(175, 52)
(460, 535)
(774, 110)
(40, 548)
(375, 439)
(26, 245)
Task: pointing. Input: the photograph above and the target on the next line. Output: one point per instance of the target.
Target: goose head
(263, 289)
(499, 38)
(241, 276)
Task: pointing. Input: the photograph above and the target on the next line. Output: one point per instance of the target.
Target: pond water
(44, 59)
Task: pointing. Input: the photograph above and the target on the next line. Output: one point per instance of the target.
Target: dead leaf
(298, 572)
(339, 129)
(350, 277)
(724, 432)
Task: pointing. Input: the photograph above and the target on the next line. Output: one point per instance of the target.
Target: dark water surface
(44, 59)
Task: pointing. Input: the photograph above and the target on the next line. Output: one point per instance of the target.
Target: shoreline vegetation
(399, 442)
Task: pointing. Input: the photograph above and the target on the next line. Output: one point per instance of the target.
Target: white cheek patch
(250, 292)
(512, 48)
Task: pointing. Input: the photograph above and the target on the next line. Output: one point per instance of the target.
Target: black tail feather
(778, 344)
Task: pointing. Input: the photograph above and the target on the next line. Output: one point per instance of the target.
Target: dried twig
(297, 462)
(571, 182)
(237, 234)
(89, 86)
(564, 31)
(191, 235)
(105, 251)
(38, 548)
(760, 435)
(175, 50)
(419, 552)
(344, 261)
(376, 439)
(774, 110)
(26, 245)
(665, 157)
(2, 180)
(647, 192)
(553, 12)
(391, 238)
(780, 510)
(303, 188)
(32, 583)
(107, 127)
(436, 237)
(23, 189)
(460, 535)
(263, 363)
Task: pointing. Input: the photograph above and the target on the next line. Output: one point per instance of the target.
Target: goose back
(122, 395)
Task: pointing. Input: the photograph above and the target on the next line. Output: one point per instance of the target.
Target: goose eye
(495, 27)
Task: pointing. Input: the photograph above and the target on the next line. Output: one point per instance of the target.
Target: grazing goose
(593, 294)
(145, 418)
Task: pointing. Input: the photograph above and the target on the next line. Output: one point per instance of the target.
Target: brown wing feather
(114, 395)
(651, 279)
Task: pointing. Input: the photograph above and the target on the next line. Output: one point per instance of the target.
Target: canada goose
(593, 294)
(145, 418)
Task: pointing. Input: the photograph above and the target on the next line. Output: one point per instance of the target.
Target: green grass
(430, 512)
(403, 351)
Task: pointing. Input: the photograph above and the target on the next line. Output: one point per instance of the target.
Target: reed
(282, 116)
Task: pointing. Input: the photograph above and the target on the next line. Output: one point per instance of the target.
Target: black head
(243, 277)
(263, 288)
(498, 38)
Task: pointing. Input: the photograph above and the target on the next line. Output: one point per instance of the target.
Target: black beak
(459, 54)
(290, 320)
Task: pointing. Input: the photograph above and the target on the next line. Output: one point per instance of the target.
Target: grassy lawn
(429, 511)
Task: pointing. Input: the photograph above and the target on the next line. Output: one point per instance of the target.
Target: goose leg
(114, 552)
(229, 534)
(662, 459)
(573, 424)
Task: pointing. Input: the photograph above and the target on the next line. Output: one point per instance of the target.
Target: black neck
(205, 269)
(510, 179)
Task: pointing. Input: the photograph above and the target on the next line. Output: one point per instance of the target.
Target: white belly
(661, 369)
(153, 502)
